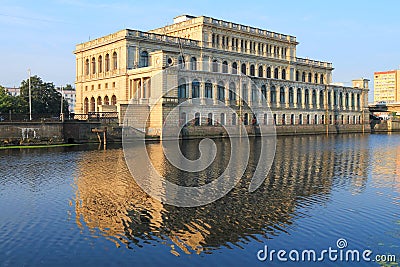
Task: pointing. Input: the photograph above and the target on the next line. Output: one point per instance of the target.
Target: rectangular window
(106, 86)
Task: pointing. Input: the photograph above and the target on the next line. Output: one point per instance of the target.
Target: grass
(37, 146)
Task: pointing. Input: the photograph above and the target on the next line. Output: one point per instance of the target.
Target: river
(73, 206)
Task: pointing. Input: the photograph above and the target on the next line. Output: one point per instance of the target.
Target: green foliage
(45, 98)
(15, 104)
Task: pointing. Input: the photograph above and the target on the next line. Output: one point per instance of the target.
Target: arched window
(99, 101)
(300, 119)
(93, 65)
(245, 95)
(316, 78)
(321, 79)
(347, 100)
(222, 119)
(358, 101)
(291, 96)
(315, 119)
(308, 118)
(341, 100)
(182, 92)
(276, 73)
(243, 68)
(210, 119)
(283, 119)
(233, 118)
(92, 105)
(297, 75)
(306, 98)
(213, 40)
(195, 89)
(268, 72)
(291, 119)
(299, 102)
(323, 119)
(283, 74)
(107, 62)
(260, 71)
(314, 98)
(246, 119)
(86, 106)
(273, 95)
(232, 92)
(264, 92)
(181, 62)
(193, 63)
(303, 77)
(87, 67)
(100, 64)
(215, 65)
(309, 77)
(352, 100)
(282, 95)
(183, 118)
(265, 119)
(274, 119)
(252, 70)
(113, 100)
(144, 59)
(221, 92)
(234, 68)
(329, 99)
(106, 100)
(335, 102)
(321, 99)
(254, 93)
(208, 90)
(115, 61)
(225, 67)
(197, 119)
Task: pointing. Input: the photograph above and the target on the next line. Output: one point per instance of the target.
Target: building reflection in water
(305, 170)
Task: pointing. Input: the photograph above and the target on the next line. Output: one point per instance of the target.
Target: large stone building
(387, 86)
(120, 69)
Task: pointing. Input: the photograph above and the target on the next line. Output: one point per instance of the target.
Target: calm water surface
(81, 206)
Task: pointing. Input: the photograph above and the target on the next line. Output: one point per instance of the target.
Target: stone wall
(30, 132)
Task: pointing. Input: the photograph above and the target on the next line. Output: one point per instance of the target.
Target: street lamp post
(30, 97)
(61, 112)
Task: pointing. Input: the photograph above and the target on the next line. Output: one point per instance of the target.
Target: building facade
(70, 97)
(212, 56)
(387, 86)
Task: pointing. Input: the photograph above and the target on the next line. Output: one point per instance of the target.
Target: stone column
(202, 95)
(190, 92)
(215, 94)
(295, 97)
(317, 104)
(286, 96)
(278, 96)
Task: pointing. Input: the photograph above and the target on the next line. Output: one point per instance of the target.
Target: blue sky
(358, 37)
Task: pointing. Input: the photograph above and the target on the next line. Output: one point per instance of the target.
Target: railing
(25, 117)
(313, 62)
(104, 117)
(163, 38)
(232, 25)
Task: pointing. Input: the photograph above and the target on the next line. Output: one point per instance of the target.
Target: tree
(15, 104)
(45, 99)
